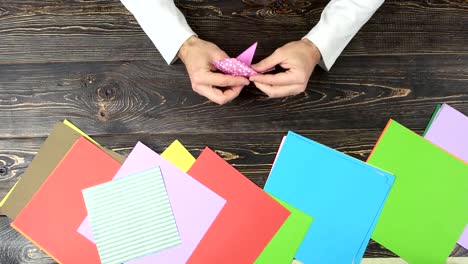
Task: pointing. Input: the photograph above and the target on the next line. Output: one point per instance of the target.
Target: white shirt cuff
(164, 24)
(339, 22)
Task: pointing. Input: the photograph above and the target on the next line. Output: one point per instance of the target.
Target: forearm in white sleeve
(339, 22)
(164, 24)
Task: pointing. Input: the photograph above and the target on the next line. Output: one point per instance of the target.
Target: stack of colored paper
(83, 203)
(147, 208)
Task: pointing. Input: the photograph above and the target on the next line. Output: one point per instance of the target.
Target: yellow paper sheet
(72, 126)
(7, 195)
(178, 155)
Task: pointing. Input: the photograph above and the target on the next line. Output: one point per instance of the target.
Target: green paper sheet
(434, 115)
(284, 245)
(425, 212)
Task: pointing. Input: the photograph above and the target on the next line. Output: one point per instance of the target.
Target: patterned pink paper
(235, 67)
(239, 66)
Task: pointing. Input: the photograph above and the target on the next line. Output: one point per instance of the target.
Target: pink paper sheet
(247, 56)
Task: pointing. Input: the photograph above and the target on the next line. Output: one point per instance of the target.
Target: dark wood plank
(15, 249)
(143, 97)
(50, 31)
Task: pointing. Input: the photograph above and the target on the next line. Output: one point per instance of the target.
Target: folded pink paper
(234, 67)
(247, 56)
(239, 66)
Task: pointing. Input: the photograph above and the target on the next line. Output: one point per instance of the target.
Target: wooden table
(90, 62)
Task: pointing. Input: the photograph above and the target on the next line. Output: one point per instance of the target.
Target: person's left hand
(299, 58)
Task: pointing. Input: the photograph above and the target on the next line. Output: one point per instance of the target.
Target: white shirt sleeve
(164, 24)
(340, 21)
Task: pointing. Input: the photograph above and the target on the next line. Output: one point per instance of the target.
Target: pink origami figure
(239, 66)
(235, 67)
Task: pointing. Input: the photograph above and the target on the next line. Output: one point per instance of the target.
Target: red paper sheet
(55, 212)
(248, 221)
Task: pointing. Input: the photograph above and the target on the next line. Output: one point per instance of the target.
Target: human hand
(299, 58)
(198, 56)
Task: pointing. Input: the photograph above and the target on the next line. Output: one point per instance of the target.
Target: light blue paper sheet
(344, 195)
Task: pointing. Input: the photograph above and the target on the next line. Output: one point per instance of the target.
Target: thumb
(214, 52)
(220, 55)
(269, 62)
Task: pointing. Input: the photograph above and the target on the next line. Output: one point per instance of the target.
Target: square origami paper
(131, 217)
(423, 216)
(343, 194)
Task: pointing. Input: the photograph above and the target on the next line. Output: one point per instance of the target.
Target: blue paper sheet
(344, 195)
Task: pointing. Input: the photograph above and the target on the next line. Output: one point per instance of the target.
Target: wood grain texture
(52, 31)
(15, 249)
(128, 97)
(89, 61)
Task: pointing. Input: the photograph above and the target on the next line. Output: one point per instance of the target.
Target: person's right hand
(198, 56)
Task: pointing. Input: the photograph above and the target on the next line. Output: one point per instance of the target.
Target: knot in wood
(87, 81)
(106, 93)
(90, 79)
(103, 115)
(3, 171)
(279, 3)
(281, 6)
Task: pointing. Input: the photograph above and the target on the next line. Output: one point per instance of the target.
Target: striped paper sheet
(131, 217)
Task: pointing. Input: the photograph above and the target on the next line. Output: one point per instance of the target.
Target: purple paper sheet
(449, 130)
(195, 206)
